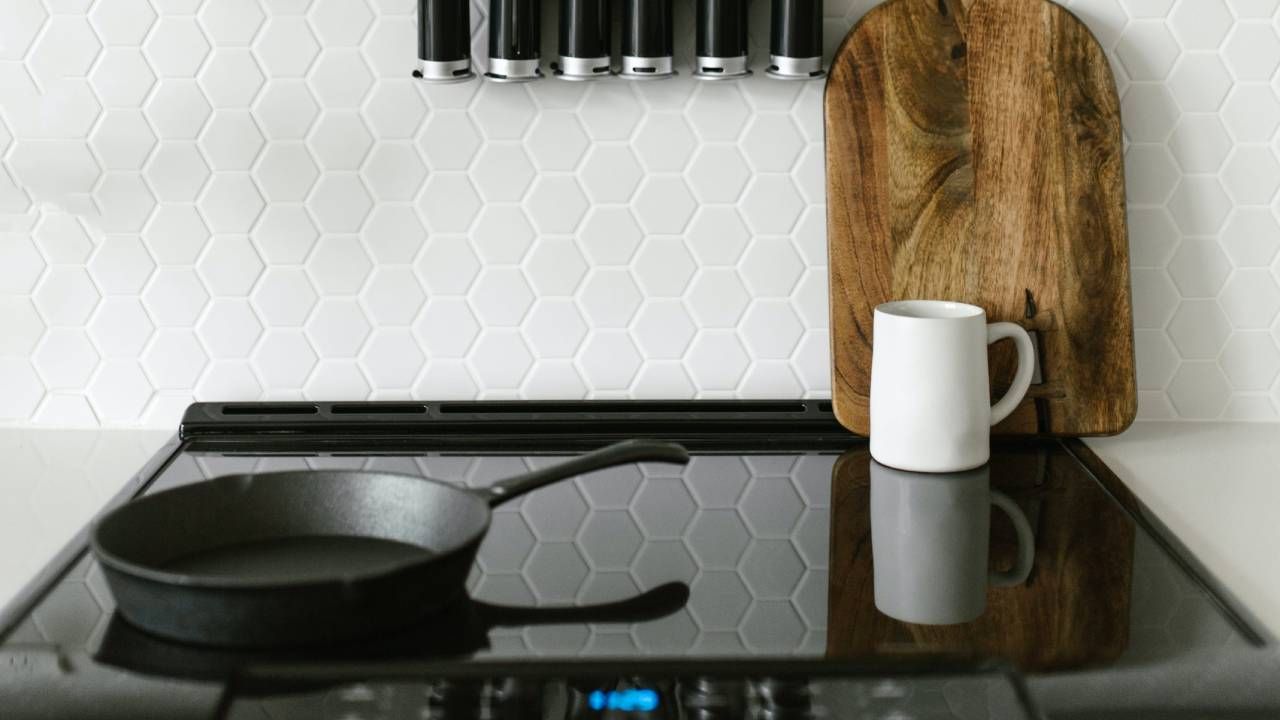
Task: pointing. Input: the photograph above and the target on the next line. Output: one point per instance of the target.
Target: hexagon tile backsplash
(238, 199)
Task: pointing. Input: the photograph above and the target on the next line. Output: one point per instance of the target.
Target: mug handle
(1021, 569)
(1026, 366)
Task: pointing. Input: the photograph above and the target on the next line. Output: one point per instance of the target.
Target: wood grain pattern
(1072, 612)
(974, 153)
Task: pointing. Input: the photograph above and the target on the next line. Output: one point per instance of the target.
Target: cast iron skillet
(309, 557)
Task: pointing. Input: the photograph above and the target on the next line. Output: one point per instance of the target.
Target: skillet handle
(625, 452)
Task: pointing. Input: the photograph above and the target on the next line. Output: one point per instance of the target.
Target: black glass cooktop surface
(782, 571)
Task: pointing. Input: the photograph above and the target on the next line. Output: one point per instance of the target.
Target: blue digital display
(633, 700)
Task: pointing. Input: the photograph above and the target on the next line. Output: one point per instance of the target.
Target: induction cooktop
(755, 582)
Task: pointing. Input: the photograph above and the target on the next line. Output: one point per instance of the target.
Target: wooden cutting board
(974, 154)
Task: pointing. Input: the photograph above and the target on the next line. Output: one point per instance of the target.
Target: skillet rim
(117, 563)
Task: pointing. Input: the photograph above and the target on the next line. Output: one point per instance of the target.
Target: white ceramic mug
(930, 396)
(930, 544)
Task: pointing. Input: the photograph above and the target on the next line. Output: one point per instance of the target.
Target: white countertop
(1216, 485)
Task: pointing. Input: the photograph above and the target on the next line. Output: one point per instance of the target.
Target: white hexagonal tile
(770, 379)
(121, 77)
(447, 266)
(555, 571)
(719, 173)
(447, 328)
(231, 140)
(770, 267)
(664, 205)
(717, 298)
(1157, 359)
(177, 109)
(611, 173)
(1147, 50)
(228, 380)
(1152, 237)
(506, 545)
(771, 329)
(1200, 82)
(1252, 51)
(772, 569)
(718, 111)
(1251, 298)
(284, 296)
(1199, 390)
(610, 235)
(230, 266)
(121, 265)
(231, 22)
(500, 359)
(231, 203)
(556, 204)
(176, 172)
(176, 234)
(284, 359)
(1150, 174)
(501, 297)
(554, 328)
(449, 140)
(663, 329)
(340, 22)
(340, 78)
(229, 328)
(1250, 407)
(392, 39)
(1252, 113)
(1250, 360)
(1199, 205)
(286, 47)
(393, 296)
(231, 77)
(394, 172)
(1201, 25)
(340, 140)
(1251, 175)
(124, 202)
(719, 600)
(66, 48)
(20, 263)
(446, 380)
(609, 360)
(66, 296)
(1154, 298)
(395, 109)
(394, 234)
(717, 539)
(772, 143)
(1200, 144)
(448, 202)
(175, 296)
(65, 358)
(663, 508)
(609, 298)
(176, 47)
(174, 359)
(502, 172)
(771, 507)
(555, 266)
(1251, 237)
(340, 203)
(665, 142)
(119, 391)
(502, 234)
(21, 388)
(285, 109)
(391, 358)
(23, 326)
(556, 141)
(286, 172)
(121, 23)
(609, 540)
(502, 112)
(120, 327)
(663, 267)
(1199, 328)
(716, 360)
(812, 362)
(338, 327)
(610, 112)
(122, 140)
(1199, 267)
(285, 234)
(662, 381)
(1149, 112)
(62, 239)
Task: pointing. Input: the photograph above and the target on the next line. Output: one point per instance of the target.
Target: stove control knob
(779, 699)
(712, 698)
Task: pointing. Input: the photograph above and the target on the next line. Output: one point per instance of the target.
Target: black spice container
(795, 40)
(584, 39)
(515, 38)
(647, 39)
(444, 40)
(722, 39)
